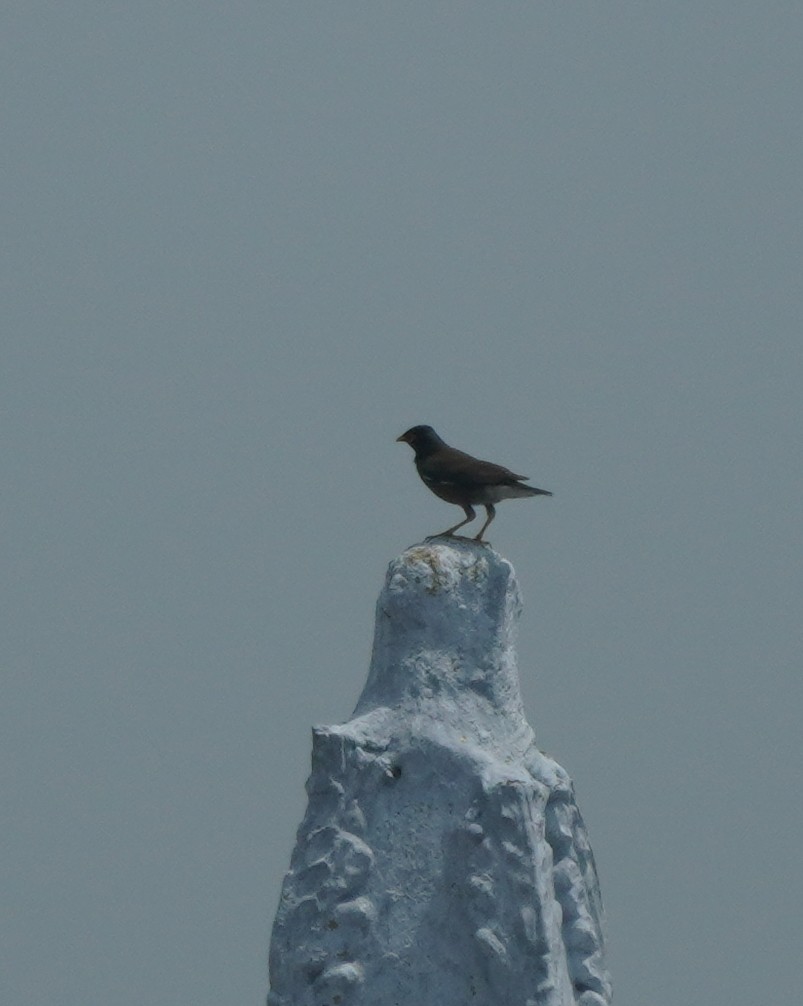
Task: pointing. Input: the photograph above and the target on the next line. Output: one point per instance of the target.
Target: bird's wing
(458, 468)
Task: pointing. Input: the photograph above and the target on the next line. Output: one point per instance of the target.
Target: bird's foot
(453, 537)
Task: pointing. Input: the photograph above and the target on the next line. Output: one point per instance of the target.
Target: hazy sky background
(246, 245)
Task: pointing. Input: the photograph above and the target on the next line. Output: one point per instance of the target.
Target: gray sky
(244, 247)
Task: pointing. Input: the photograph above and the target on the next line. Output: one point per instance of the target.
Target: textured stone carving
(442, 860)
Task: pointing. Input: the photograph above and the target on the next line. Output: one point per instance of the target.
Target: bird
(459, 478)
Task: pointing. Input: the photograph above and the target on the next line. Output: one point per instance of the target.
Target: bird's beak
(401, 440)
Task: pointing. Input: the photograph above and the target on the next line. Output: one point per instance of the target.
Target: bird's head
(422, 439)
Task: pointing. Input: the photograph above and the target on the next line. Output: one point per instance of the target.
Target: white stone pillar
(442, 860)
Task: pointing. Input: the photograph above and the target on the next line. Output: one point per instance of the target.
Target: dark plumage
(459, 478)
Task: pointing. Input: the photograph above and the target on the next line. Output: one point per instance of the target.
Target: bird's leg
(489, 509)
(471, 513)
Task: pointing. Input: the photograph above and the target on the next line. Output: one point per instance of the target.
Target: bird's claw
(456, 537)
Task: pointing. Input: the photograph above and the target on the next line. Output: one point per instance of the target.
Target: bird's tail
(518, 490)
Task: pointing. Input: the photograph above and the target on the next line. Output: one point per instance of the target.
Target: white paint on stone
(442, 860)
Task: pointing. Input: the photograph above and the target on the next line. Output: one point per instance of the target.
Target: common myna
(459, 478)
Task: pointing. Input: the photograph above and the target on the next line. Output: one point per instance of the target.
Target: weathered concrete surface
(442, 860)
